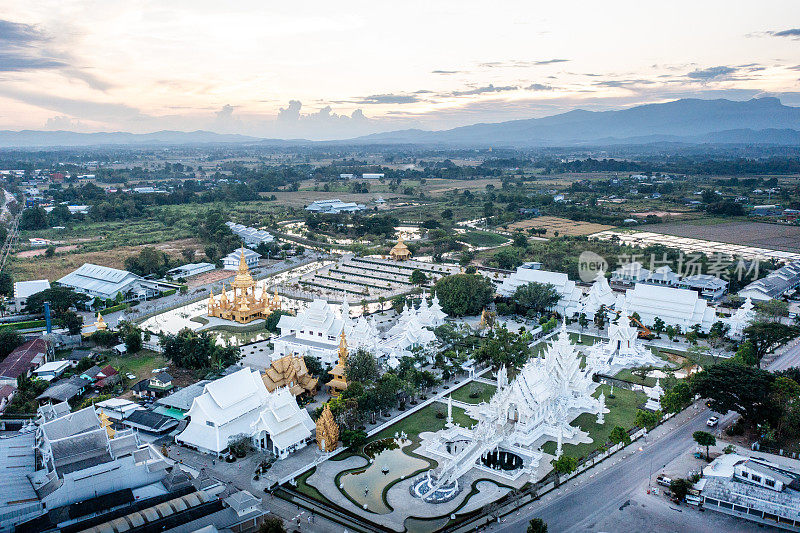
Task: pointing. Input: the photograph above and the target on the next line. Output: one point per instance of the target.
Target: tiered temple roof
(327, 431)
(245, 306)
(289, 371)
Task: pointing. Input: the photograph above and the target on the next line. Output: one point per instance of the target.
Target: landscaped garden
(622, 412)
(475, 392)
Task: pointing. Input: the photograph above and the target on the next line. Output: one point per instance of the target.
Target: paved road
(789, 357)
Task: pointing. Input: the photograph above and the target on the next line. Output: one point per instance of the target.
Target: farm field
(773, 236)
(482, 238)
(563, 226)
(59, 265)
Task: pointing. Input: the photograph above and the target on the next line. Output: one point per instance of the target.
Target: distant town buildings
(251, 237)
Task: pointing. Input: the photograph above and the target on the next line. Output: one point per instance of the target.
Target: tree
(583, 321)
(50, 251)
(680, 488)
(520, 240)
(72, 321)
(503, 347)
(730, 386)
(676, 398)
(60, 298)
(418, 277)
(9, 340)
(746, 354)
(188, 254)
(658, 325)
(133, 340)
(537, 525)
(464, 294)
(766, 336)
(447, 213)
(671, 331)
(362, 367)
(647, 419)
(785, 396)
(34, 218)
(538, 297)
(272, 524)
(619, 436)
(704, 438)
(199, 351)
(148, 261)
(564, 464)
(6, 283)
(271, 323)
(773, 309)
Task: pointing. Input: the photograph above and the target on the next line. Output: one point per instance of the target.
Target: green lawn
(627, 375)
(580, 340)
(622, 408)
(482, 238)
(424, 420)
(485, 390)
(140, 364)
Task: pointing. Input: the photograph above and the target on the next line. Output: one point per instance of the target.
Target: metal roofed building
(334, 206)
(775, 284)
(106, 283)
(709, 287)
(251, 237)
(25, 289)
(231, 261)
(23, 360)
(190, 269)
(179, 402)
(149, 422)
(753, 489)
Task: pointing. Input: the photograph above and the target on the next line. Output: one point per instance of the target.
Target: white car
(712, 422)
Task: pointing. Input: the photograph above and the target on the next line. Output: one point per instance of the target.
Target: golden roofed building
(290, 371)
(245, 306)
(400, 251)
(327, 431)
(339, 381)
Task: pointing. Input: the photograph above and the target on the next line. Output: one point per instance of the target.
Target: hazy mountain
(763, 120)
(70, 138)
(757, 121)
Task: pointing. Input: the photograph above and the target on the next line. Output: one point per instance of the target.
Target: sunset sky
(323, 70)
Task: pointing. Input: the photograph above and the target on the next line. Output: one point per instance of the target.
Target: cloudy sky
(322, 69)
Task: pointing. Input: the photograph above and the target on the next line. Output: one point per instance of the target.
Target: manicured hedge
(114, 309)
(28, 324)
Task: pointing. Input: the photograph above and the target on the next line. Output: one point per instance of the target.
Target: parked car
(712, 422)
(664, 480)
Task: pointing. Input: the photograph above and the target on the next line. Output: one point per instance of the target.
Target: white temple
(740, 320)
(315, 331)
(622, 348)
(548, 393)
(568, 304)
(599, 295)
(240, 404)
(676, 307)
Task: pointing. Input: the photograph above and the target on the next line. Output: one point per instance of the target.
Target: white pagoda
(622, 348)
(740, 320)
(548, 393)
(599, 295)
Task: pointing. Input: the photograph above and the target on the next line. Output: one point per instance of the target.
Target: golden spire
(342, 348)
(100, 325)
(106, 423)
(243, 262)
(327, 431)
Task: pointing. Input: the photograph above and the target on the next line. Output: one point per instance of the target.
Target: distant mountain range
(762, 120)
(692, 121)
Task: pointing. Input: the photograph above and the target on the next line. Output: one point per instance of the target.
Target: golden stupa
(327, 431)
(245, 306)
(106, 423)
(339, 381)
(400, 251)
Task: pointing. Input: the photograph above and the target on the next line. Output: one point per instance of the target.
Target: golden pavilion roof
(289, 371)
(243, 278)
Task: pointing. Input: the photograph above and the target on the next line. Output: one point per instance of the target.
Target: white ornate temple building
(568, 304)
(315, 331)
(600, 295)
(240, 404)
(676, 307)
(740, 320)
(548, 393)
(621, 350)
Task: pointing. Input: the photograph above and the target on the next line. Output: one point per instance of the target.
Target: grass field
(622, 413)
(141, 364)
(563, 226)
(486, 393)
(482, 238)
(424, 420)
(627, 375)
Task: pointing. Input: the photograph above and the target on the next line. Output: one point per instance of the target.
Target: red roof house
(22, 361)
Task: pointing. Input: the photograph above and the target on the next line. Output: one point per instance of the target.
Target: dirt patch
(660, 214)
(41, 251)
(563, 226)
(212, 276)
(759, 234)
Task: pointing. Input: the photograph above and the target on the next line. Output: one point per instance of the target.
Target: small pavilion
(400, 251)
(245, 305)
